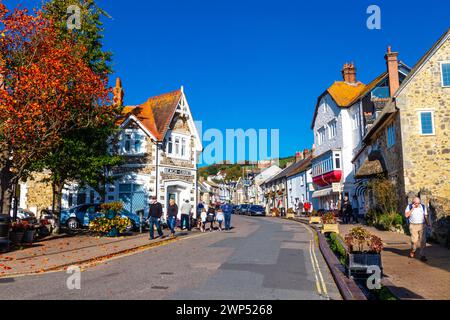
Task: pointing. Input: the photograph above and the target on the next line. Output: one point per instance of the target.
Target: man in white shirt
(418, 220)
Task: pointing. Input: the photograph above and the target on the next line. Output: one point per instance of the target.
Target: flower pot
(113, 233)
(16, 237)
(330, 227)
(358, 263)
(28, 236)
(315, 220)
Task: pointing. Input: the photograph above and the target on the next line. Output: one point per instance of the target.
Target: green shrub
(389, 221)
(337, 247)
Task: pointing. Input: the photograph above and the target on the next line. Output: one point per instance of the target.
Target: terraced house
(408, 142)
(339, 124)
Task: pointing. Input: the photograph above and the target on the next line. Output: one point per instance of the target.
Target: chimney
(392, 70)
(306, 153)
(298, 156)
(118, 93)
(349, 73)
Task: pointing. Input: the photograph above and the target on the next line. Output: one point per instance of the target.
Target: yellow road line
(314, 269)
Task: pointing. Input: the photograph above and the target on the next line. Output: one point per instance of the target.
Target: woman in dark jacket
(211, 217)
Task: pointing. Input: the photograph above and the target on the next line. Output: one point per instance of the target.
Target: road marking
(324, 286)
(314, 269)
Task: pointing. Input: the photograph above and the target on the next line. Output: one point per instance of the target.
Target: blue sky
(259, 64)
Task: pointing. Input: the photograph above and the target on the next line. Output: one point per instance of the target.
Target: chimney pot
(349, 73)
(392, 70)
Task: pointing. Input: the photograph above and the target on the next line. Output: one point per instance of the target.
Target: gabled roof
(156, 113)
(423, 60)
(342, 93)
(292, 169)
(300, 166)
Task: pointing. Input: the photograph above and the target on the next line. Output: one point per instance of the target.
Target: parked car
(80, 216)
(25, 215)
(242, 208)
(256, 210)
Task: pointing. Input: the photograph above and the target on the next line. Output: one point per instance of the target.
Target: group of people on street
(201, 217)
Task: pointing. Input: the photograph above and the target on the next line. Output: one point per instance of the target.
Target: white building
(299, 184)
(263, 176)
(339, 126)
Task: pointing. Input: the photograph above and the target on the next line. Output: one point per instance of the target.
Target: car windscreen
(257, 208)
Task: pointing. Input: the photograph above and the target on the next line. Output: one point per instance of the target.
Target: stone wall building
(409, 140)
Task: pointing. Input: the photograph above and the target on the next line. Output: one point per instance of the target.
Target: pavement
(260, 258)
(412, 278)
(65, 251)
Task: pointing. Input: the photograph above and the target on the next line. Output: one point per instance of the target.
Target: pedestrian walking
(154, 217)
(211, 217)
(185, 215)
(417, 216)
(203, 216)
(227, 212)
(346, 210)
(219, 218)
(172, 213)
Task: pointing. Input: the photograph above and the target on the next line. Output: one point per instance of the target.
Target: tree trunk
(58, 187)
(6, 190)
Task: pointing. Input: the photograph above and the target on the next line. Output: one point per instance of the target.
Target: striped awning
(323, 193)
(360, 190)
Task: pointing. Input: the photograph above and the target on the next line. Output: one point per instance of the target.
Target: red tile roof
(156, 113)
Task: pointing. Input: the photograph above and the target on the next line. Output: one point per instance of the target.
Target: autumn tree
(47, 89)
(82, 156)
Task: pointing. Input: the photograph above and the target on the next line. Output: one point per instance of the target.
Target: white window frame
(442, 73)
(390, 135)
(133, 134)
(320, 138)
(332, 133)
(178, 147)
(355, 121)
(419, 113)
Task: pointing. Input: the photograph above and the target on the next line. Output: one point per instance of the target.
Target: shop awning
(323, 193)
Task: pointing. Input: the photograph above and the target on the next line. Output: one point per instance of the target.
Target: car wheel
(131, 227)
(73, 224)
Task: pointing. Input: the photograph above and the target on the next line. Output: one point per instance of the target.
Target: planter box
(28, 236)
(358, 263)
(315, 220)
(16, 237)
(290, 216)
(330, 227)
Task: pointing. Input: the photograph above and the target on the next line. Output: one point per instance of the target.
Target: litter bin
(5, 221)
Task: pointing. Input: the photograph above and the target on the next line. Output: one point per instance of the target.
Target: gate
(133, 196)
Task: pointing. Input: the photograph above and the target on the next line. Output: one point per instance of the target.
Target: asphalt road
(260, 258)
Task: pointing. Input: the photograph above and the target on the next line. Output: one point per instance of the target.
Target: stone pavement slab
(411, 278)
